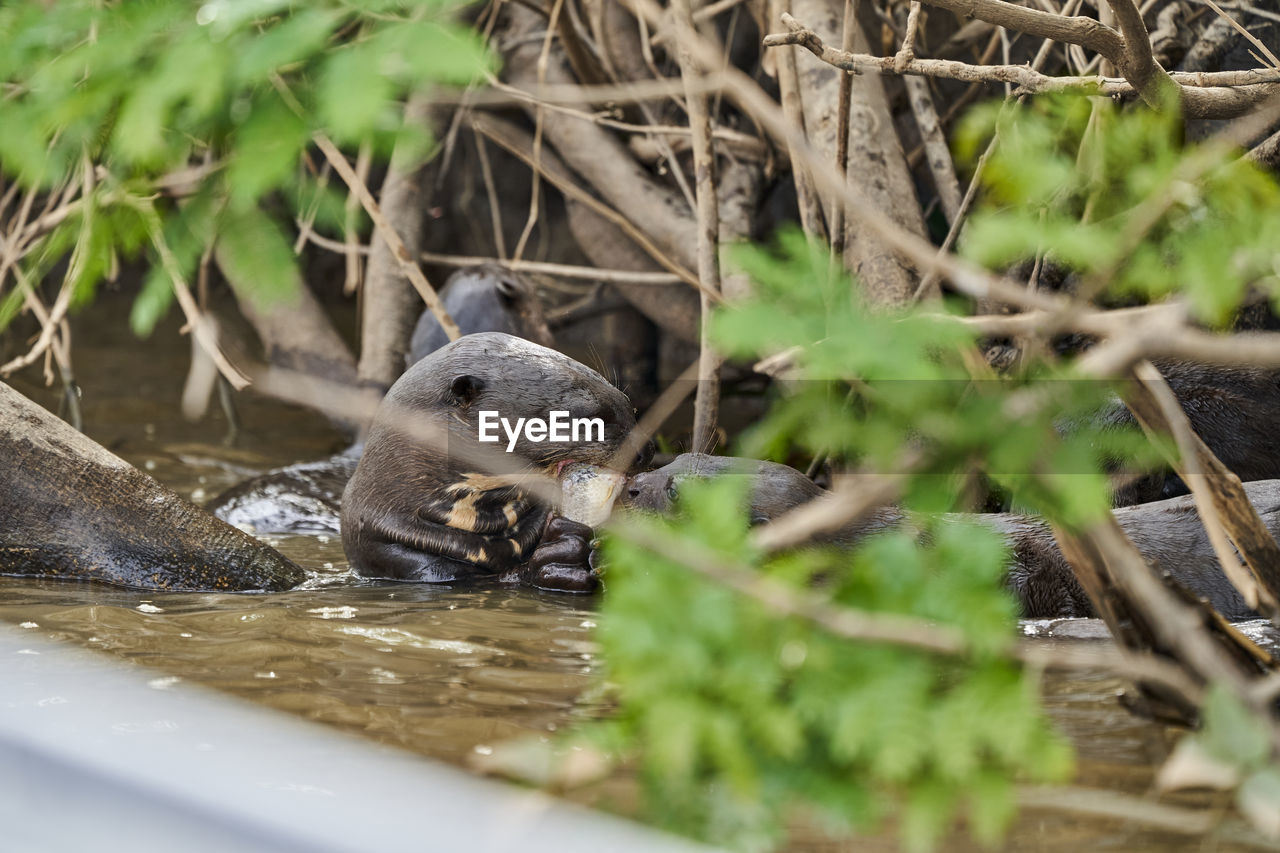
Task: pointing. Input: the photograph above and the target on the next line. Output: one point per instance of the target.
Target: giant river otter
(305, 497)
(1168, 533)
(422, 511)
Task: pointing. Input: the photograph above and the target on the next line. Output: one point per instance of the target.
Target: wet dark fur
(1167, 532)
(305, 498)
(396, 511)
(1232, 408)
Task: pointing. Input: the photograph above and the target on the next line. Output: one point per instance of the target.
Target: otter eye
(465, 388)
(672, 492)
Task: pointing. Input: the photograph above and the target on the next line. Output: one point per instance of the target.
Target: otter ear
(464, 388)
(509, 289)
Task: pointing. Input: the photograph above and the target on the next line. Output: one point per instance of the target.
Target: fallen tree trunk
(73, 510)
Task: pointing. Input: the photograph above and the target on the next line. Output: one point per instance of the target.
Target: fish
(588, 492)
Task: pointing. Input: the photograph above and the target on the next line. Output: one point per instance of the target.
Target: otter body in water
(1168, 532)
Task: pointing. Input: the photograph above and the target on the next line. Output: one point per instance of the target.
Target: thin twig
(388, 233)
(707, 399)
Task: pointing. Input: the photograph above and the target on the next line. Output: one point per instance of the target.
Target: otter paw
(563, 561)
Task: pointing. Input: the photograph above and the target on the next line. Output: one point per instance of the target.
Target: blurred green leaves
(144, 90)
(741, 717)
(748, 716)
(1118, 199)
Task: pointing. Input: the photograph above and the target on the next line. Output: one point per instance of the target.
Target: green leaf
(1259, 800)
(256, 258)
(152, 302)
(267, 147)
(1231, 732)
(354, 94)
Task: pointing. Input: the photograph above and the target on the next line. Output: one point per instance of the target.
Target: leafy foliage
(741, 716)
(1237, 737)
(117, 96)
(1117, 198)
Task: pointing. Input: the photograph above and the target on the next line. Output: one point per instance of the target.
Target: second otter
(1168, 533)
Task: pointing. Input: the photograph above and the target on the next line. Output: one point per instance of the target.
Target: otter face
(658, 491)
(508, 386)
(775, 489)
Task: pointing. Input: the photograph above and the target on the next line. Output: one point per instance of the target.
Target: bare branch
(388, 233)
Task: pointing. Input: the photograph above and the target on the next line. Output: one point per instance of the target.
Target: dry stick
(741, 144)
(707, 399)
(543, 267)
(1114, 805)
(1266, 51)
(388, 233)
(501, 133)
(1176, 626)
(1130, 53)
(535, 187)
(495, 210)
(563, 270)
(937, 152)
(306, 222)
(842, 137)
(931, 278)
(48, 320)
(350, 229)
(1220, 499)
(204, 331)
(810, 203)
(1139, 65)
(505, 95)
(1103, 323)
(1028, 80)
(853, 497)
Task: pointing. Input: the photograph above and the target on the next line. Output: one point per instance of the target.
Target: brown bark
(390, 307)
(739, 190)
(807, 197)
(706, 402)
(73, 510)
(608, 167)
(1220, 498)
(876, 163)
(674, 308)
(296, 334)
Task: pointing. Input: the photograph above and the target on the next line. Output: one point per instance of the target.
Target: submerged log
(71, 509)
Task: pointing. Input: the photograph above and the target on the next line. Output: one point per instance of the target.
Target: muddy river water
(445, 672)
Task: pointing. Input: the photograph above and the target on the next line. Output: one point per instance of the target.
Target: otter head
(774, 488)
(506, 397)
(484, 298)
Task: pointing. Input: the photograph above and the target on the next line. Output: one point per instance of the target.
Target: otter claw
(562, 562)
